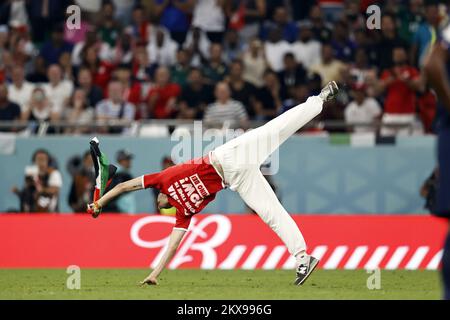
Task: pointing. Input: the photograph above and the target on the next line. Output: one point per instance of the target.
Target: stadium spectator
(195, 96)
(255, 63)
(292, 74)
(343, 47)
(82, 186)
(275, 49)
(20, 90)
(410, 18)
(362, 111)
(306, 49)
(39, 71)
(125, 203)
(8, 110)
(360, 72)
(162, 97)
(197, 46)
(180, 70)
(91, 39)
(216, 69)
(329, 68)
(123, 10)
(400, 83)
(14, 14)
(121, 53)
(241, 90)
(115, 108)
(132, 89)
(94, 93)
(298, 95)
(78, 113)
(247, 17)
(57, 90)
(268, 99)
(109, 27)
(210, 16)
(140, 28)
(43, 183)
(143, 68)
(233, 45)
(225, 111)
(100, 70)
(45, 17)
(174, 16)
(280, 21)
(162, 49)
(53, 48)
(4, 43)
(39, 108)
(389, 40)
(425, 35)
(66, 67)
(320, 29)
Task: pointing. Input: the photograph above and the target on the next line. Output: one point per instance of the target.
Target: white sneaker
(304, 269)
(330, 91)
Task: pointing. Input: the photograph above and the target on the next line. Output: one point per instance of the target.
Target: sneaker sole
(313, 266)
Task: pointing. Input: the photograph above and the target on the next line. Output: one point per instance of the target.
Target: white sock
(301, 258)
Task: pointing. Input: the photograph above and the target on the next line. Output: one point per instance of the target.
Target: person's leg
(446, 268)
(259, 196)
(255, 146)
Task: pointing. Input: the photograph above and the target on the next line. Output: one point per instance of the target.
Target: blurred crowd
(221, 61)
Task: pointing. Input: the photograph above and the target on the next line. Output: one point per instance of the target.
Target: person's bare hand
(150, 280)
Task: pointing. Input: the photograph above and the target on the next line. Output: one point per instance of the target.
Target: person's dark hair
(238, 61)
(289, 55)
(41, 150)
(269, 71)
(196, 69)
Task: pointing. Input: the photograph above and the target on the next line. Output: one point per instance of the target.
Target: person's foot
(330, 91)
(304, 269)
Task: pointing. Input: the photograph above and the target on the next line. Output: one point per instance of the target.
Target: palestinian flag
(104, 171)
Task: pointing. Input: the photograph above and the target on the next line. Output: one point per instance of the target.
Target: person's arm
(174, 241)
(435, 70)
(127, 186)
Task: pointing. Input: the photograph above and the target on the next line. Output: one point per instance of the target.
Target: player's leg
(446, 268)
(255, 146)
(258, 195)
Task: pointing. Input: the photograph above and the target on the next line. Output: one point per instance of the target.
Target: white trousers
(242, 157)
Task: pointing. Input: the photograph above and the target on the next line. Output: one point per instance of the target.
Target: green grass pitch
(232, 284)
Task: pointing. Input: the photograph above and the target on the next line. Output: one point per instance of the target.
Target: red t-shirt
(164, 94)
(190, 186)
(400, 99)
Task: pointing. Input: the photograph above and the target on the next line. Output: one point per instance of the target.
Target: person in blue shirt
(425, 35)
(280, 21)
(437, 71)
(174, 15)
(52, 49)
